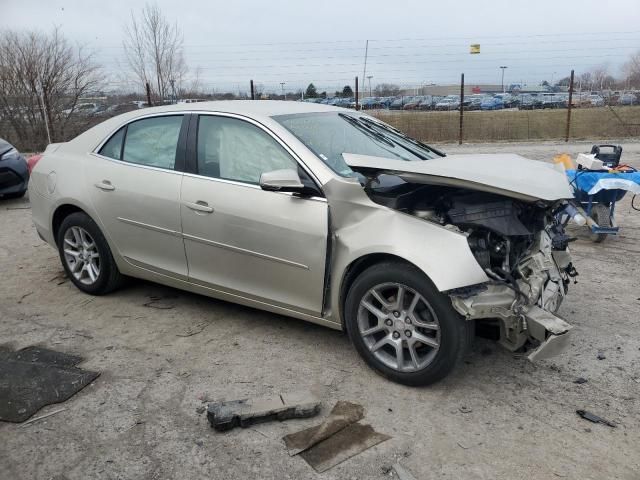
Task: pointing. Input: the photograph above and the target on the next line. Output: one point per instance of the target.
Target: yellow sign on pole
(474, 48)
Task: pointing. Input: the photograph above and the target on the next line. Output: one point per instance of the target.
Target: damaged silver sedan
(318, 213)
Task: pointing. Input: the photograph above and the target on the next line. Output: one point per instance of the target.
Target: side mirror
(286, 180)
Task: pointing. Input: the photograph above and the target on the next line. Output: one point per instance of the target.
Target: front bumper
(526, 317)
(14, 178)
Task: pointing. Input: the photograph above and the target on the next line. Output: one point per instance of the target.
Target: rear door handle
(105, 185)
(199, 206)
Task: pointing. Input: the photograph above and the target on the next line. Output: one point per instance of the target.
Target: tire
(446, 338)
(94, 281)
(600, 214)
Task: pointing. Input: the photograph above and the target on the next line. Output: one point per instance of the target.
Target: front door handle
(199, 206)
(105, 185)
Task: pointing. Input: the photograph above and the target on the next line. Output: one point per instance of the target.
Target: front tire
(402, 326)
(86, 256)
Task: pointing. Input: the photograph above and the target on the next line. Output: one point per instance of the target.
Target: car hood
(506, 174)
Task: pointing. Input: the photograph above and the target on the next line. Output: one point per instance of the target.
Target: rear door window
(153, 141)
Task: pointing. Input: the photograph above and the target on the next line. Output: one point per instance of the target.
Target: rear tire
(415, 341)
(86, 256)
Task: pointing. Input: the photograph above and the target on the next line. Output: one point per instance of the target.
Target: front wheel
(86, 256)
(402, 326)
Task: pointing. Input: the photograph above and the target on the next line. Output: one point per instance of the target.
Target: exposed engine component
(481, 210)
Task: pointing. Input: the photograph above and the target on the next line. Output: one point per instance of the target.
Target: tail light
(32, 161)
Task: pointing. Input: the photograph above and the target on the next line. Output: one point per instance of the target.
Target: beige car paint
(274, 258)
(139, 207)
(269, 246)
(505, 174)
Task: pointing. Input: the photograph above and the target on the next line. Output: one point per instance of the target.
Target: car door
(135, 190)
(264, 245)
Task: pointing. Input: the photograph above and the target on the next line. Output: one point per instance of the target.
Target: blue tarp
(593, 182)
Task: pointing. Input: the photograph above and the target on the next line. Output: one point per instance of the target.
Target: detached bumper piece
(550, 330)
(249, 411)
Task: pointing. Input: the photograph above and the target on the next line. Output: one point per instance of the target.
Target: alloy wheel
(81, 255)
(399, 327)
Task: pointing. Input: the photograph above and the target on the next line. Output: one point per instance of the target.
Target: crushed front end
(522, 247)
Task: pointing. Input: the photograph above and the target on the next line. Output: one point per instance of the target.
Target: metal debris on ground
(249, 411)
(336, 439)
(592, 417)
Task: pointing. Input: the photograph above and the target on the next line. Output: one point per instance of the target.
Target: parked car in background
(417, 101)
(318, 213)
(367, 103)
(86, 109)
(14, 171)
(550, 100)
(492, 103)
(473, 102)
(528, 101)
(400, 102)
(627, 99)
(596, 101)
(385, 102)
(452, 102)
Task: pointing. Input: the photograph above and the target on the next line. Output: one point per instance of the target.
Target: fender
(361, 227)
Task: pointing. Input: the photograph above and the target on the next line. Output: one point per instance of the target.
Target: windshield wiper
(402, 135)
(367, 130)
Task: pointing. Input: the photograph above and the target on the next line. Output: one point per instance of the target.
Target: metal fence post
(566, 133)
(461, 109)
(149, 104)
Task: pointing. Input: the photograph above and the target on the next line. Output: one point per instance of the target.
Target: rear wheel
(86, 256)
(403, 326)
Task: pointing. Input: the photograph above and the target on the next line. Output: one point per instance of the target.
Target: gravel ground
(496, 417)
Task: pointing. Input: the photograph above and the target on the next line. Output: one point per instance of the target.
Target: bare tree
(42, 78)
(386, 90)
(632, 70)
(153, 49)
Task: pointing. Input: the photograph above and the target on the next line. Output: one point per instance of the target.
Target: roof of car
(267, 108)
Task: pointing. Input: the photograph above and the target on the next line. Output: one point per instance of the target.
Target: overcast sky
(410, 43)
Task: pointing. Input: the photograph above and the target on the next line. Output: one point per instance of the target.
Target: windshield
(330, 134)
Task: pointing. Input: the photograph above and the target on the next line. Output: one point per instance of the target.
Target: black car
(14, 173)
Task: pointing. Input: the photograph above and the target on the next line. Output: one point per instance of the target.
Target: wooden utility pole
(566, 133)
(149, 96)
(461, 108)
(253, 94)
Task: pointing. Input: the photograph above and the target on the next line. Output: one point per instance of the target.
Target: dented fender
(360, 227)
